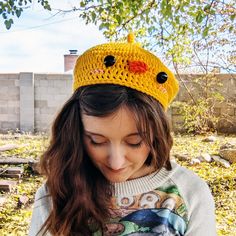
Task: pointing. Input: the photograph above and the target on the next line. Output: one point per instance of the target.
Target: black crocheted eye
(109, 60)
(161, 77)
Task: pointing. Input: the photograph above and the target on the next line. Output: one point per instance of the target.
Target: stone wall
(30, 102)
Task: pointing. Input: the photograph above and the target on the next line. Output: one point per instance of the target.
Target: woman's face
(115, 146)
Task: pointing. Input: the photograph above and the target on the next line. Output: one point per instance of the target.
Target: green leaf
(8, 23)
(93, 16)
(199, 17)
(47, 6)
(4, 15)
(205, 32)
(169, 10)
(18, 12)
(232, 17)
(104, 26)
(82, 4)
(118, 18)
(163, 5)
(207, 7)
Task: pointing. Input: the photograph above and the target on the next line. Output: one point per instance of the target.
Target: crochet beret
(129, 65)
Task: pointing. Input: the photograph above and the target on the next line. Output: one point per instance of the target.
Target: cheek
(140, 155)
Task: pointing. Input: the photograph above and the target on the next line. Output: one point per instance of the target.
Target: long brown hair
(80, 194)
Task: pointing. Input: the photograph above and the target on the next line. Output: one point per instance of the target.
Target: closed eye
(133, 145)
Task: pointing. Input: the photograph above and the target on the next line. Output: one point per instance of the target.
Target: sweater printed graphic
(158, 212)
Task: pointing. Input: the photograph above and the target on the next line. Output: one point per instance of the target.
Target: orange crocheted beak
(137, 66)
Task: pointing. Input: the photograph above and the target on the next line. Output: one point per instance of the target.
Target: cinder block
(40, 76)
(8, 125)
(3, 90)
(13, 90)
(26, 90)
(13, 97)
(17, 110)
(7, 82)
(36, 82)
(3, 117)
(50, 83)
(44, 118)
(59, 83)
(40, 103)
(26, 79)
(27, 104)
(47, 110)
(13, 117)
(48, 97)
(65, 91)
(61, 97)
(3, 103)
(13, 103)
(9, 110)
(13, 76)
(53, 103)
(43, 83)
(55, 76)
(17, 82)
(54, 91)
(36, 112)
(43, 91)
(3, 110)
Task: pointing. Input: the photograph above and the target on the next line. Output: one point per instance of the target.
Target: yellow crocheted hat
(129, 65)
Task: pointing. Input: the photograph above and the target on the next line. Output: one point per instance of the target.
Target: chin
(116, 179)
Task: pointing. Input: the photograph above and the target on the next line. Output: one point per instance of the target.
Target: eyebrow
(132, 134)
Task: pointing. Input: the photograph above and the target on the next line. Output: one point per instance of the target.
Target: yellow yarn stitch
(130, 38)
(90, 69)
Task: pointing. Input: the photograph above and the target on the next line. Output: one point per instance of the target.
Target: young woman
(108, 169)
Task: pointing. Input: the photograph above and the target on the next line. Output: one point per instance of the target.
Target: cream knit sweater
(165, 203)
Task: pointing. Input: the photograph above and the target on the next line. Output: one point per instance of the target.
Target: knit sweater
(166, 203)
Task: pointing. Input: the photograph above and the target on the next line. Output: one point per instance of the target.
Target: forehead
(121, 122)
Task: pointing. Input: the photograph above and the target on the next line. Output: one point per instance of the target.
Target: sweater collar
(143, 184)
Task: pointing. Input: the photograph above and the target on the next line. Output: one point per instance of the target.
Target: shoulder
(187, 178)
(193, 189)
(42, 197)
(42, 191)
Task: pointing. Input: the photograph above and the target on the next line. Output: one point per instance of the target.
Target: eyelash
(137, 145)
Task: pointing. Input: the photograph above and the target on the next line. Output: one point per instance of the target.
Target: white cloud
(41, 49)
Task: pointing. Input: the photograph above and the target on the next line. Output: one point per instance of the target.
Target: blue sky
(24, 48)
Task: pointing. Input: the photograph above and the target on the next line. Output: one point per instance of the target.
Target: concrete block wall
(9, 102)
(30, 102)
(51, 92)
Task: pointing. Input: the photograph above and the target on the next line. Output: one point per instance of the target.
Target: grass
(222, 181)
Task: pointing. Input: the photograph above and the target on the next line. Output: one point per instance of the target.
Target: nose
(116, 159)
